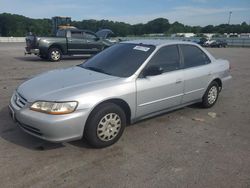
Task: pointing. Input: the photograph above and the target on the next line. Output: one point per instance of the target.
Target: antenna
(229, 19)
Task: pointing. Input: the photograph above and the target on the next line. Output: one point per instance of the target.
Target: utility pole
(229, 19)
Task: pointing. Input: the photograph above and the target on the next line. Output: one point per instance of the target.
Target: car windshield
(121, 60)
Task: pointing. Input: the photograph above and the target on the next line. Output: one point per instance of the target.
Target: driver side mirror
(152, 71)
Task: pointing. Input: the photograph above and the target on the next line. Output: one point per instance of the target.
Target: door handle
(70, 40)
(178, 81)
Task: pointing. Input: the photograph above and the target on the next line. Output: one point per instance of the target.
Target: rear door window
(76, 34)
(193, 56)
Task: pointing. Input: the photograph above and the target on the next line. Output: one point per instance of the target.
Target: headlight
(55, 108)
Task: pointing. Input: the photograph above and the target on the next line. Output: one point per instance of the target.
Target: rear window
(76, 34)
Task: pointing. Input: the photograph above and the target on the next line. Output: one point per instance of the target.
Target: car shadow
(195, 106)
(81, 144)
(11, 132)
(37, 59)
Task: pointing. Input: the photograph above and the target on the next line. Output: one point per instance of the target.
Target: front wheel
(211, 95)
(105, 125)
(55, 54)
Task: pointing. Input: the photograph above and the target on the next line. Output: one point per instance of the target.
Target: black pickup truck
(66, 42)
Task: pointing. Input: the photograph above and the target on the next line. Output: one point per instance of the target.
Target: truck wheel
(211, 95)
(55, 54)
(105, 125)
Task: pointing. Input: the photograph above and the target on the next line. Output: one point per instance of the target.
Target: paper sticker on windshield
(141, 48)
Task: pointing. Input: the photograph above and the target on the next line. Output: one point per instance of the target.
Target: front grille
(20, 101)
(30, 129)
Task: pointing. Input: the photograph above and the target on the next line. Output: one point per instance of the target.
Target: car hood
(53, 84)
(103, 33)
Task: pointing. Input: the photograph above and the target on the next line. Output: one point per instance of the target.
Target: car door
(77, 44)
(197, 72)
(156, 93)
(93, 42)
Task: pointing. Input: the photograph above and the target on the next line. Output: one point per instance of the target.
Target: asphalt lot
(184, 148)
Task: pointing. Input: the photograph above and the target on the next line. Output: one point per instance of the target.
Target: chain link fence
(234, 42)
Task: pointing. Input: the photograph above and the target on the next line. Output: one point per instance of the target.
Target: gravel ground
(184, 148)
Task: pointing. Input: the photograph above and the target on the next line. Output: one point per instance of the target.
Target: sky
(189, 12)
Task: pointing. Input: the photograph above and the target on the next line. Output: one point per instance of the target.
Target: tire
(105, 125)
(54, 54)
(211, 95)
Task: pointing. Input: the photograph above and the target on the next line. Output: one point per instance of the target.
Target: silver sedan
(125, 83)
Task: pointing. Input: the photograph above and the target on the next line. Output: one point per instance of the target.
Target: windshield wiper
(96, 70)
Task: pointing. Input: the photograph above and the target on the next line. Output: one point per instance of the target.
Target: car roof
(158, 42)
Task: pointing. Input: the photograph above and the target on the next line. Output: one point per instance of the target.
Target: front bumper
(31, 51)
(53, 128)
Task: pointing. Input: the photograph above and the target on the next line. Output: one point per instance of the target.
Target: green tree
(17, 25)
(159, 25)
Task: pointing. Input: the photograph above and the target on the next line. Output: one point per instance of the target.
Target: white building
(185, 34)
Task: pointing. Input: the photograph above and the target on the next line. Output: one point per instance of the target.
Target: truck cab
(81, 41)
(70, 41)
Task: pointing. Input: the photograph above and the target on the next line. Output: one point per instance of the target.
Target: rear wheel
(105, 125)
(54, 54)
(211, 95)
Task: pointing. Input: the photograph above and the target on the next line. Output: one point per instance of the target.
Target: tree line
(17, 26)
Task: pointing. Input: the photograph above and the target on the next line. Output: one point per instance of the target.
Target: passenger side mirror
(152, 71)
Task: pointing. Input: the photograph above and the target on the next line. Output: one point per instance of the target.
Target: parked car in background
(208, 43)
(218, 43)
(123, 84)
(202, 41)
(67, 42)
(215, 43)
